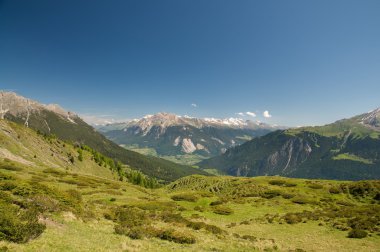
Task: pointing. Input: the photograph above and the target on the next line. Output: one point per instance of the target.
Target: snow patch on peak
(146, 117)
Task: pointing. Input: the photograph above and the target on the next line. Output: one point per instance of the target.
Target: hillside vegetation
(53, 209)
(77, 131)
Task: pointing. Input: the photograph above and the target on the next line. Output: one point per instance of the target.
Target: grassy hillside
(49, 122)
(52, 209)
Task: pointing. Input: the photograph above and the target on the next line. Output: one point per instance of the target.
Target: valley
(195, 126)
(59, 196)
(183, 139)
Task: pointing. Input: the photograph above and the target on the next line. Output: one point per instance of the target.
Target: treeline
(132, 176)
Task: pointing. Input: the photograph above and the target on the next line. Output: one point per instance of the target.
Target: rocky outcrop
(188, 146)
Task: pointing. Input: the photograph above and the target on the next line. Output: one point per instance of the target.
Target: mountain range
(54, 120)
(172, 135)
(348, 149)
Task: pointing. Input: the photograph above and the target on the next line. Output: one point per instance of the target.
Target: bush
(287, 195)
(315, 186)
(175, 236)
(44, 203)
(213, 229)
(17, 225)
(131, 217)
(199, 225)
(196, 225)
(5, 177)
(54, 172)
(132, 232)
(377, 197)
(249, 238)
(185, 197)
(302, 200)
(290, 184)
(277, 182)
(271, 194)
(173, 218)
(357, 233)
(215, 203)
(10, 167)
(199, 208)
(335, 190)
(292, 218)
(223, 210)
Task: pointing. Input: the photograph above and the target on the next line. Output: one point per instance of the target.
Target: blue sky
(306, 62)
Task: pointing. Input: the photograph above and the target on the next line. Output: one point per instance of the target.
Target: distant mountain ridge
(347, 149)
(52, 119)
(170, 134)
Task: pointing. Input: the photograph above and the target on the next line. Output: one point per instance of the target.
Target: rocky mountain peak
(371, 119)
(16, 105)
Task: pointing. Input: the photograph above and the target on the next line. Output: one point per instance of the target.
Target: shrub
(277, 182)
(335, 190)
(10, 167)
(196, 225)
(215, 203)
(44, 203)
(345, 203)
(172, 217)
(199, 225)
(7, 186)
(302, 200)
(377, 197)
(315, 186)
(223, 210)
(271, 194)
(185, 197)
(357, 233)
(18, 225)
(5, 177)
(55, 172)
(199, 208)
(290, 184)
(292, 218)
(175, 236)
(132, 232)
(213, 229)
(287, 195)
(249, 238)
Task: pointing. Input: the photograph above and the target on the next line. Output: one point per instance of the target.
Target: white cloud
(240, 114)
(194, 105)
(266, 114)
(251, 114)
